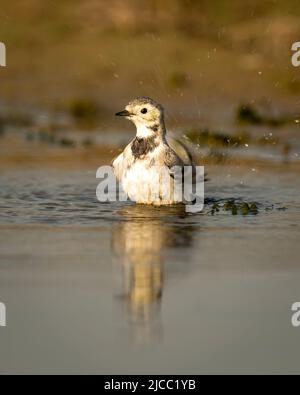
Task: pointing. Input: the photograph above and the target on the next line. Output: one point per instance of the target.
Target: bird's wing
(171, 159)
(186, 154)
(181, 150)
(122, 162)
(117, 165)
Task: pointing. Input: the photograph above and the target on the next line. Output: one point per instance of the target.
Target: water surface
(119, 288)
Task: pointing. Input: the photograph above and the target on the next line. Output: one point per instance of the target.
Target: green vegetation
(218, 141)
(235, 208)
(249, 114)
(214, 139)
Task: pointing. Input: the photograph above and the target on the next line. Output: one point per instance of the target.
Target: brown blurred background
(176, 50)
(73, 63)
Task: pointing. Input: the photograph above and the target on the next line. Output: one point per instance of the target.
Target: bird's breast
(146, 182)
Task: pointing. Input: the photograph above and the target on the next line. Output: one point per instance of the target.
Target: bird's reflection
(139, 242)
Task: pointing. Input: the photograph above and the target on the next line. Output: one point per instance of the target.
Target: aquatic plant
(235, 207)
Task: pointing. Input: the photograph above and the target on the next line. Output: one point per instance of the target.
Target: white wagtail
(138, 167)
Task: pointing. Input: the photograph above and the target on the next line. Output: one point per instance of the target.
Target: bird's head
(146, 114)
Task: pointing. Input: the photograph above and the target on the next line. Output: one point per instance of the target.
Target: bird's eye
(144, 110)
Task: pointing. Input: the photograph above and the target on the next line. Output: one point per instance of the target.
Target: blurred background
(222, 68)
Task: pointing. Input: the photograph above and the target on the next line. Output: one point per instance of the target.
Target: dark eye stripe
(144, 110)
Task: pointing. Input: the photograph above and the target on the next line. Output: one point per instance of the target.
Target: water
(120, 288)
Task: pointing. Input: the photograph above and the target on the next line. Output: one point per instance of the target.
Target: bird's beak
(123, 113)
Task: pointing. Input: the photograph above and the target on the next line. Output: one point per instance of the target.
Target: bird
(145, 168)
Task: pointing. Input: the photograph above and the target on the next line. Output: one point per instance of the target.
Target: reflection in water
(138, 245)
